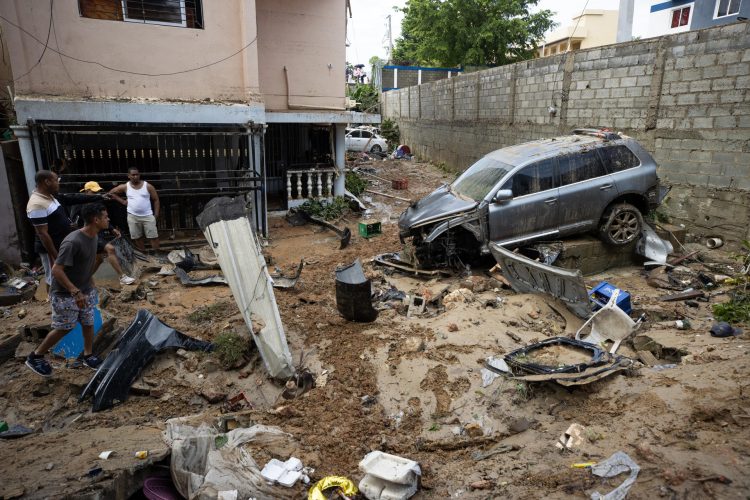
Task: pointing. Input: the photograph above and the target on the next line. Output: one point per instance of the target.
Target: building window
(727, 8)
(680, 17)
(180, 13)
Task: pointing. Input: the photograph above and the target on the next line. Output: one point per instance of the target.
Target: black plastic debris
(353, 294)
(139, 344)
(191, 262)
(186, 280)
(281, 281)
(16, 431)
(345, 235)
(564, 361)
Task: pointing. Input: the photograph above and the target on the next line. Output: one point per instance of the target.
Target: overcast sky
(368, 27)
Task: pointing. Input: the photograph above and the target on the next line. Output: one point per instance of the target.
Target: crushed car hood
(438, 205)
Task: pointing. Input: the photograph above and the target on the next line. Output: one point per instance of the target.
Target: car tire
(621, 224)
(376, 149)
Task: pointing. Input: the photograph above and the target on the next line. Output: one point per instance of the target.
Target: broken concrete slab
(226, 226)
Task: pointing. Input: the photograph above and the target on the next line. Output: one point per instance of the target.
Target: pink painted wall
(136, 47)
(306, 37)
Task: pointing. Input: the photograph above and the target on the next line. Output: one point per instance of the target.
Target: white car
(364, 140)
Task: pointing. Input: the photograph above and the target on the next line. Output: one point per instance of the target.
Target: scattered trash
(10, 295)
(388, 476)
(582, 465)
(71, 345)
(186, 280)
(16, 431)
(682, 324)
(226, 226)
(161, 488)
(494, 367)
(300, 383)
(345, 235)
(237, 403)
(106, 454)
(459, 296)
(416, 306)
(353, 294)
(344, 486)
(644, 343)
(144, 338)
(651, 246)
(724, 329)
(281, 281)
(571, 438)
(368, 229)
(400, 184)
(284, 473)
(601, 294)
(564, 361)
(143, 454)
(659, 368)
(93, 472)
(610, 323)
(395, 261)
(714, 242)
(199, 469)
(684, 295)
(528, 276)
(495, 450)
(615, 465)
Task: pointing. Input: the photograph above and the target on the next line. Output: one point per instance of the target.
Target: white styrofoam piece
(227, 495)
(289, 477)
(390, 467)
(293, 463)
(273, 470)
(374, 488)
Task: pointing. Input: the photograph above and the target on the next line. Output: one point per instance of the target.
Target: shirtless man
(143, 209)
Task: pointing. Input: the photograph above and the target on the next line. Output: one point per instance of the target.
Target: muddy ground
(408, 386)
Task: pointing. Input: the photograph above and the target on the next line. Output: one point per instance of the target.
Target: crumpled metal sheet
(226, 226)
(281, 281)
(651, 246)
(186, 280)
(528, 276)
(139, 344)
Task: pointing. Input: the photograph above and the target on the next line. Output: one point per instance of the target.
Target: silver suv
(591, 180)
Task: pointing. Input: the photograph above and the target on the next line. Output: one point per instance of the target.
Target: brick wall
(685, 97)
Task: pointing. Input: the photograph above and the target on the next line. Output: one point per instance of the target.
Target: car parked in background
(589, 181)
(362, 139)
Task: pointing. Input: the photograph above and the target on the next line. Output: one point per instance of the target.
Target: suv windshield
(478, 179)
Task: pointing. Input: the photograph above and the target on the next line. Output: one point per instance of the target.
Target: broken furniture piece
(564, 361)
(528, 276)
(140, 343)
(610, 323)
(651, 246)
(354, 294)
(388, 477)
(226, 226)
(186, 280)
(281, 281)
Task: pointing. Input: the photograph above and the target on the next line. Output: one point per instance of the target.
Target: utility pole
(390, 38)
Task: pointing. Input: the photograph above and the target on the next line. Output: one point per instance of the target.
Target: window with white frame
(727, 8)
(680, 17)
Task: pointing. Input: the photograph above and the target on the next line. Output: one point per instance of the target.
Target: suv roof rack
(603, 133)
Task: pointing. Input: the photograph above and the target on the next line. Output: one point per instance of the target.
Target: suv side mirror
(502, 196)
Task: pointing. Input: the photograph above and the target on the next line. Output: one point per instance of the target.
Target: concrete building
(675, 16)
(593, 28)
(206, 98)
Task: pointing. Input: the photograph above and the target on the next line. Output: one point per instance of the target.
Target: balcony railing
(314, 183)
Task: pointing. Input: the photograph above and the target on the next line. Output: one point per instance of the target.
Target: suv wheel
(376, 148)
(621, 224)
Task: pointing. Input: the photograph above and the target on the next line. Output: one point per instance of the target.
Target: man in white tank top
(143, 209)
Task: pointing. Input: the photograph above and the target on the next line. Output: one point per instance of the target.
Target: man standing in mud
(143, 209)
(73, 295)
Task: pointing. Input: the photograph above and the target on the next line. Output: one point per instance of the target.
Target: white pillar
(395, 78)
(419, 77)
(340, 185)
(23, 134)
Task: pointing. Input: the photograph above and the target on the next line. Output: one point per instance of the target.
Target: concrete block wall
(685, 97)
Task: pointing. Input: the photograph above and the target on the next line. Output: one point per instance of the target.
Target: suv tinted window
(580, 167)
(355, 133)
(365, 133)
(533, 178)
(618, 158)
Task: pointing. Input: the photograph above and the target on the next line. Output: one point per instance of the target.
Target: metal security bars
(181, 13)
(187, 165)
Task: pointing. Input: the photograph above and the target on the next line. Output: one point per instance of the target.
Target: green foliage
(450, 33)
(390, 132)
(230, 347)
(205, 314)
(324, 209)
(367, 97)
(355, 184)
(737, 310)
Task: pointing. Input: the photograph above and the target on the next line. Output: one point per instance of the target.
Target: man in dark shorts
(73, 295)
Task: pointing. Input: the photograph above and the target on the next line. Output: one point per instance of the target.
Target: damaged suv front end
(449, 225)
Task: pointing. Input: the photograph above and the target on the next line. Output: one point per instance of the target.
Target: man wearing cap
(143, 209)
(103, 244)
(49, 218)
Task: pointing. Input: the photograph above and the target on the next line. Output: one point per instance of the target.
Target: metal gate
(187, 164)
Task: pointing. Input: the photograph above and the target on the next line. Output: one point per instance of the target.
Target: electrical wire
(117, 70)
(62, 63)
(570, 38)
(46, 44)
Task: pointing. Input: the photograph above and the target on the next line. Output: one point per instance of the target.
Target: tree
(452, 33)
